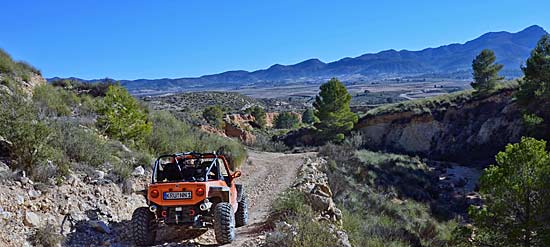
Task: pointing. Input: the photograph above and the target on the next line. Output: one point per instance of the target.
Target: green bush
(54, 102)
(375, 218)
(46, 236)
(289, 203)
(31, 138)
(21, 69)
(386, 198)
(286, 120)
(214, 116)
(122, 118)
(88, 106)
(169, 135)
(25, 67)
(266, 144)
(259, 115)
(6, 62)
(291, 207)
(94, 89)
(82, 145)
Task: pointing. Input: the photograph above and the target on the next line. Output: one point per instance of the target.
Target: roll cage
(181, 170)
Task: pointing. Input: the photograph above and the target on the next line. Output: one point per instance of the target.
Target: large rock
(4, 169)
(245, 136)
(32, 219)
(33, 194)
(343, 239)
(320, 203)
(138, 171)
(25, 180)
(98, 175)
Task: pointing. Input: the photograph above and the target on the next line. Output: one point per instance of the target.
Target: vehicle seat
(171, 172)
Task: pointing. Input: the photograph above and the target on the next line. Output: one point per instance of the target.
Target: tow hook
(206, 205)
(153, 209)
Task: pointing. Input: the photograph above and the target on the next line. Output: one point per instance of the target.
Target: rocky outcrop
(87, 210)
(34, 81)
(212, 130)
(239, 126)
(239, 120)
(245, 136)
(232, 130)
(27, 84)
(464, 130)
(313, 182)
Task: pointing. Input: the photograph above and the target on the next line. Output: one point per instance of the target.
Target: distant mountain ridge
(511, 49)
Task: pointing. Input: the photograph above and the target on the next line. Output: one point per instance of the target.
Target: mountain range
(449, 61)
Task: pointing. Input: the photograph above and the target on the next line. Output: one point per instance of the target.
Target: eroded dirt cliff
(463, 129)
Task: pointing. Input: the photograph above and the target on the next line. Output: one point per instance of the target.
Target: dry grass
(440, 103)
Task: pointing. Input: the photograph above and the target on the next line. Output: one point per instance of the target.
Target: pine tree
(214, 116)
(534, 90)
(309, 117)
(485, 71)
(286, 120)
(259, 116)
(536, 83)
(516, 196)
(333, 110)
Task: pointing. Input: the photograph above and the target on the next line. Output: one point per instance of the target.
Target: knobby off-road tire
(143, 229)
(241, 217)
(224, 223)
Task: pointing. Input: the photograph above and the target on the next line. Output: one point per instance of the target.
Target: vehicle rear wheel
(143, 227)
(241, 217)
(224, 223)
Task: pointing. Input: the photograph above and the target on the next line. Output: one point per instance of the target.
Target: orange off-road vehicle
(195, 190)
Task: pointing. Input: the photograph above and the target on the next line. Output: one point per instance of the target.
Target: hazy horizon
(141, 40)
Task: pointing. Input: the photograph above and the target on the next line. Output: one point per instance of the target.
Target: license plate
(177, 195)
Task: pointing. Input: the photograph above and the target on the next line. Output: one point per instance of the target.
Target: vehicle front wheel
(143, 227)
(241, 217)
(224, 223)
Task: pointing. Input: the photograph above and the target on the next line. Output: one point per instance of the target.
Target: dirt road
(265, 176)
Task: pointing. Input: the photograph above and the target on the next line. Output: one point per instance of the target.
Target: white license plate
(177, 195)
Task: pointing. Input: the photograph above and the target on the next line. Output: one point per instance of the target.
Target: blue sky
(170, 39)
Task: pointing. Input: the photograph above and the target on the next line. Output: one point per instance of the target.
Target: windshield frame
(181, 157)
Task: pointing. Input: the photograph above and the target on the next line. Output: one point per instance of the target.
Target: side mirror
(236, 174)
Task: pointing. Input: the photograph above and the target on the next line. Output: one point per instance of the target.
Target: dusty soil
(265, 176)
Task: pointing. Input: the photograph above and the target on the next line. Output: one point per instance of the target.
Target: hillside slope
(461, 127)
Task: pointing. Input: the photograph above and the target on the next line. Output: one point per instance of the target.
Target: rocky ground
(313, 182)
(91, 210)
